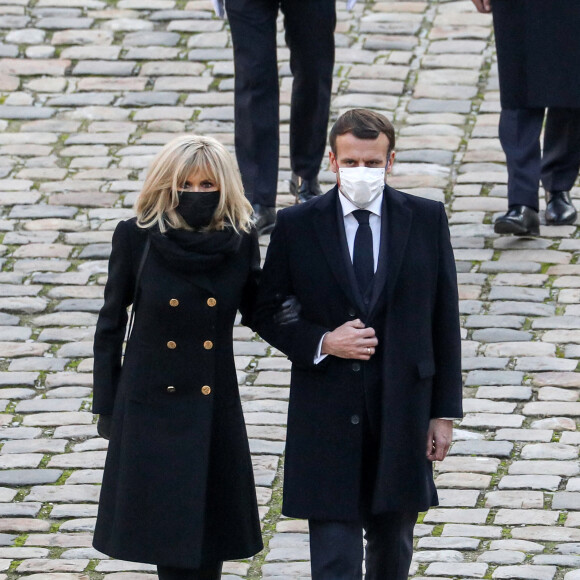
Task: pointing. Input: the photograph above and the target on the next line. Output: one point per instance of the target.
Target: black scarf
(192, 251)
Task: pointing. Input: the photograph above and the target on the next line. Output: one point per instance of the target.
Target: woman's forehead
(199, 172)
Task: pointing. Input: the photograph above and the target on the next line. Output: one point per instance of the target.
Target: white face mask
(362, 185)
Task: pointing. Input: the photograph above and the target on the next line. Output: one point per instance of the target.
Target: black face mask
(197, 208)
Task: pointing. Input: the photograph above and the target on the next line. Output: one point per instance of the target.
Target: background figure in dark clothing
(538, 53)
(309, 32)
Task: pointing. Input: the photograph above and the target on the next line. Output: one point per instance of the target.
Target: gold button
(174, 302)
(171, 344)
(206, 390)
(211, 302)
(208, 345)
(171, 389)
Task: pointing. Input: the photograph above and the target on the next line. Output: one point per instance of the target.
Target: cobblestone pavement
(90, 90)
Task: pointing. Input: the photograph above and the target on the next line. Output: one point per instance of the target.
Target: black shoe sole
(511, 228)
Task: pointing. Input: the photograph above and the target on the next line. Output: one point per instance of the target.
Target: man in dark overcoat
(376, 374)
(538, 55)
(309, 33)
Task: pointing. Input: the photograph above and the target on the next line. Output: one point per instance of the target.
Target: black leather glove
(104, 426)
(289, 311)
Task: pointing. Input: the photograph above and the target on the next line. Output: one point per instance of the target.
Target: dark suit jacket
(414, 309)
(538, 52)
(178, 488)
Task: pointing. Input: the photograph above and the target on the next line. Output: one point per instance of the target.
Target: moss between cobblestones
(73, 364)
(270, 521)
(56, 553)
(13, 565)
(20, 541)
(54, 528)
(91, 566)
(22, 493)
(44, 513)
(65, 475)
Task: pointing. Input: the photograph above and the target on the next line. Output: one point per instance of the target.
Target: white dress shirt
(350, 228)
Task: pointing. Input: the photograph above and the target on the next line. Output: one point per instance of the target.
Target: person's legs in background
(560, 163)
(519, 134)
(309, 26)
(256, 89)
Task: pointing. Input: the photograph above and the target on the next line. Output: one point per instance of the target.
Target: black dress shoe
(265, 218)
(559, 208)
(304, 189)
(520, 220)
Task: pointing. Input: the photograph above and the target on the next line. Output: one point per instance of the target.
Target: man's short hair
(363, 124)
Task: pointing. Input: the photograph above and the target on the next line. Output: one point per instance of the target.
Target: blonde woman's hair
(168, 173)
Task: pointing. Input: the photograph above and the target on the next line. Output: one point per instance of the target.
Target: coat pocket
(426, 368)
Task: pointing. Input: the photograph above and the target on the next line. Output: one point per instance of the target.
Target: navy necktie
(362, 258)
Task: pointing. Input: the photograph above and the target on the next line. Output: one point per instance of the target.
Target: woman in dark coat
(538, 58)
(178, 488)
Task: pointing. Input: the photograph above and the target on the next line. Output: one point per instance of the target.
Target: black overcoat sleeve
(112, 322)
(446, 400)
(300, 339)
(250, 291)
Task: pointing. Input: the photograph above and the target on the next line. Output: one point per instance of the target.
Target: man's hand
(483, 5)
(351, 340)
(439, 439)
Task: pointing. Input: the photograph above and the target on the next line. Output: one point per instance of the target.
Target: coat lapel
(329, 231)
(399, 218)
(382, 265)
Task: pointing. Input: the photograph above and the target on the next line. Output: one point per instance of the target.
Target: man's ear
(390, 162)
(333, 162)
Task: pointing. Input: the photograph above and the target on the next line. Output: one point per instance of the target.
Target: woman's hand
(289, 311)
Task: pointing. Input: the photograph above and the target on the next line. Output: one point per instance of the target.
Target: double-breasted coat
(538, 52)
(178, 487)
(414, 310)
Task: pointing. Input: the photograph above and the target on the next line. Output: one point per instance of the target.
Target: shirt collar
(348, 207)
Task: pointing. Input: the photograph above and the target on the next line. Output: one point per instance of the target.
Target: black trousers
(336, 548)
(309, 26)
(557, 167)
(207, 573)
